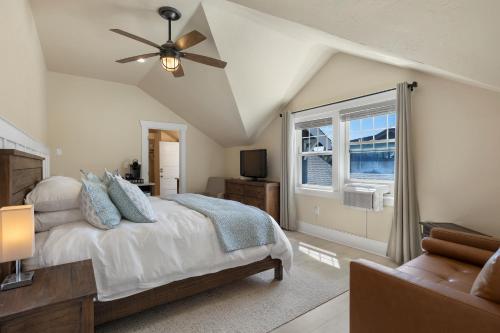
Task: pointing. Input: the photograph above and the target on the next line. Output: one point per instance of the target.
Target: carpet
(256, 304)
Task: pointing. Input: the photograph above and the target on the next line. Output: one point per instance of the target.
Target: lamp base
(17, 280)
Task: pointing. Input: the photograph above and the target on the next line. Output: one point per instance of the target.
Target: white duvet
(135, 257)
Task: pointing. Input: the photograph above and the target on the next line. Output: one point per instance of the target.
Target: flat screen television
(253, 163)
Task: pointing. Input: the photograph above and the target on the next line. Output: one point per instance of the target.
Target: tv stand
(262, 194)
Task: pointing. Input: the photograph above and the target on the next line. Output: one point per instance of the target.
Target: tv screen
(253, 163)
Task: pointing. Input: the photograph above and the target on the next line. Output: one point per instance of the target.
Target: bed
(138, 266)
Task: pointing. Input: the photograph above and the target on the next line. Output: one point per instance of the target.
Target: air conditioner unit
(366, 196)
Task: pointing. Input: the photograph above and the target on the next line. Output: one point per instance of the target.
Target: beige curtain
(287, 186)
(404, 240)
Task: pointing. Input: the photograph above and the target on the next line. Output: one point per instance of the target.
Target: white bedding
(135, 257)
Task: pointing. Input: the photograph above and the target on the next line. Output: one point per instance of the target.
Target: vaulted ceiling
(266, 67)
(272, 48)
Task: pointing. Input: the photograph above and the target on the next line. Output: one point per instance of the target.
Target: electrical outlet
(316, 210)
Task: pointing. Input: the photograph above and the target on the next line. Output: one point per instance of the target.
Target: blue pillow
(97, 207)
(131, 201)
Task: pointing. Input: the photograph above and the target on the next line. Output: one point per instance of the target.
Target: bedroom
(66, 99)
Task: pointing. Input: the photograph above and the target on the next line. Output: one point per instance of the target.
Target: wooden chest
(261, 194)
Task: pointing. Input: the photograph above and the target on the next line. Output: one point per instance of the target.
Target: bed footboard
(108, 311)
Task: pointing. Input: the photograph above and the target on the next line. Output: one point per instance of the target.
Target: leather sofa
(430, 293)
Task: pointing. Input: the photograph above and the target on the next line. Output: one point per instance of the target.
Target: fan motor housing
(169, 13)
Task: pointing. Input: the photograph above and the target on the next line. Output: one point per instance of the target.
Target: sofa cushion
(487, 284)
(444, 271)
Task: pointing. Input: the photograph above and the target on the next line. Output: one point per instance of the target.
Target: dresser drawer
(232, 188)
(255, 191)
(259, 203)
(235, 197)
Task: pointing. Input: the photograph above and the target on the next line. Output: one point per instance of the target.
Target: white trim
(361, 243)
(145, 127)
(11, 137)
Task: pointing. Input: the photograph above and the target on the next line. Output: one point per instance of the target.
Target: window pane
(381, 121)
(327, 130)
(305, 144)
(355, 125)
(317, 139)
(317, 170)
(392, 120)
(372, 165)
(392, 133)
(367, 123)
(373, 160)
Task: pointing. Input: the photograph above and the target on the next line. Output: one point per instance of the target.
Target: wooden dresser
(262, 194)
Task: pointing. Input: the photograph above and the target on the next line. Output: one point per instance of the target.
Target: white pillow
(55, 194)
(46, 221)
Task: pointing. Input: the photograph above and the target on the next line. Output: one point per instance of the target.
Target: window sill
(315, 192)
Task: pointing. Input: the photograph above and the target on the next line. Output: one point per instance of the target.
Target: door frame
(146, 125)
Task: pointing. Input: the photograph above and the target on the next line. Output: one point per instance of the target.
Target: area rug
(256, 304)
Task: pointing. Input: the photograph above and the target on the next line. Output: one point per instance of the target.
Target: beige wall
(270, 140)
(456, 147)
(96, 123)
(22, 70)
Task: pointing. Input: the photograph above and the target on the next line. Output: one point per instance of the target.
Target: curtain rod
(412, 86)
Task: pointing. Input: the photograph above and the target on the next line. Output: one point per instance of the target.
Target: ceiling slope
(76, 40)
(267, 67)
(203, 97)
(455, 39)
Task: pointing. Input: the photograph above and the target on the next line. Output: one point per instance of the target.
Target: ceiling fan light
(170, 64)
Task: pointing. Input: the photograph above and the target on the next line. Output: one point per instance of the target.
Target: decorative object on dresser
(59, 300)
(17, 241)
(19, 173)
(261, 194)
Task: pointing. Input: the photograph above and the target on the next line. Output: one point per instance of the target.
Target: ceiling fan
(171, 53)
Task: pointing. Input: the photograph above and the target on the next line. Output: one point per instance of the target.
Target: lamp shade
(17, 233)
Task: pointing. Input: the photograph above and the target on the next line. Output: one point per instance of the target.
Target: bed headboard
(19, 173)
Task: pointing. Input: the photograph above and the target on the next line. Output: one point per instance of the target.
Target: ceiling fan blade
(205, 60)
(190, 39)
(137, 38)
(137, 57)
(179, 72)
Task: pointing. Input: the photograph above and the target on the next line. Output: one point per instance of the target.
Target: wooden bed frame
(19, 173)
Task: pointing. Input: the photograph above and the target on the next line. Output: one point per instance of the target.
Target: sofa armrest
(387, 300)
(464, 238)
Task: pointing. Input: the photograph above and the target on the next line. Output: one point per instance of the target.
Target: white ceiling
(272, 48)
(266, 66)
(453, 38)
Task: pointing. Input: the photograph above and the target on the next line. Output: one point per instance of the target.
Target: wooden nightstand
(59, 300)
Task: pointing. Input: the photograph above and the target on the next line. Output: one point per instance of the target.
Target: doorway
(164, 161)
(163, 157)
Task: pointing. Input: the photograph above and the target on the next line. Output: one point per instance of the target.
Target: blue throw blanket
(238, 226)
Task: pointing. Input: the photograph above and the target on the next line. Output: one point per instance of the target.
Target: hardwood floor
(332, 316)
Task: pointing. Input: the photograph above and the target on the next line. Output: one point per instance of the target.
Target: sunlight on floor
(323, 256)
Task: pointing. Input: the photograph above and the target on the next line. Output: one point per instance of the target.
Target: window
(349, 141)
(370, 145)
(315, 153)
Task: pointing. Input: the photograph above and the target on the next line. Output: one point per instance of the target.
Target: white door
(169, 167)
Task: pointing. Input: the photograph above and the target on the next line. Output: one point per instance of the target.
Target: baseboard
(344, 238)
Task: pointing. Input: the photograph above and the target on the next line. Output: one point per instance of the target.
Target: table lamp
(17, 241)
